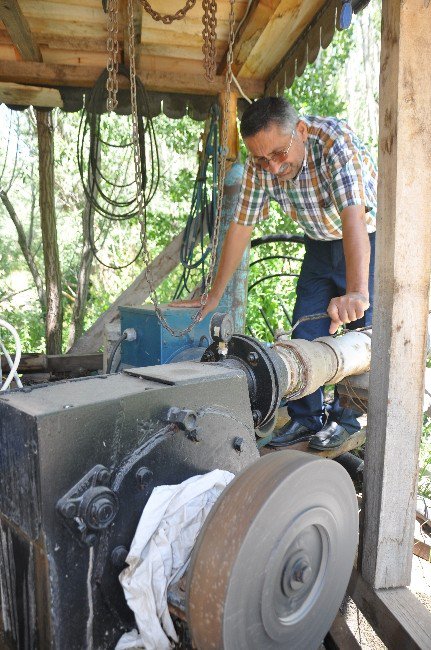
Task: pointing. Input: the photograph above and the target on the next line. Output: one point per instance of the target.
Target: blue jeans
(323, 277)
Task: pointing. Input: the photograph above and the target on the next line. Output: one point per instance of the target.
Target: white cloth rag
(160, 552)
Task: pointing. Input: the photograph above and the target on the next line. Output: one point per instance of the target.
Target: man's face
(266, 144)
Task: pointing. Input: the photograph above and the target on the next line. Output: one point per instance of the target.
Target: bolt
(238, 443)
(68, 509)
(143, 477)
(253, 358)
(301, 574)
(103, 476)
(208, 355)
(118, 556)
(185, 419)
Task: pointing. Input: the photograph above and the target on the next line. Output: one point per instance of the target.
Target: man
(325, 179)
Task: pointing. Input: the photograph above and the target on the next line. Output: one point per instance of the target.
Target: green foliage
(424, 485)
(317, 91)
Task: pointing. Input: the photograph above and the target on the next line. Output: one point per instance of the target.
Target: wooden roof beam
(19, 30)
(283, 28)
(20, 95)
(249, 33)
(54, 75)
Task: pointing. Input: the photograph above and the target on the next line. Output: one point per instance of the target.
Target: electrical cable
(115, 206)
(203, 209)
(13, 366)
(117, 344)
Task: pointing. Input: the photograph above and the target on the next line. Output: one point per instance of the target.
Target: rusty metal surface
(286, 503)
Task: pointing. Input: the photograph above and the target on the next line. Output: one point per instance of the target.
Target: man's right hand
(195, 303)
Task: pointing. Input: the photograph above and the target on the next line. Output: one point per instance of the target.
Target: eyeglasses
(279, 157)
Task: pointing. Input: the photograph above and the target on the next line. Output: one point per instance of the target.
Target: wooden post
(234, 299)
(232, 129)
(54, 309)
(401, 302)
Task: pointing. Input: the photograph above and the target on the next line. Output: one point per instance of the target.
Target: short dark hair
(266, 111)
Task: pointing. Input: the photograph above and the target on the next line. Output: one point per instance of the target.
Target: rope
(203, 209)
(106, 195)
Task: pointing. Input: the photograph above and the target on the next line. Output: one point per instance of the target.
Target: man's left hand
(346, 309)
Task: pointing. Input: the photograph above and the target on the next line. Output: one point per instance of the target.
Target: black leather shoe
(292, 432)
(331, 436)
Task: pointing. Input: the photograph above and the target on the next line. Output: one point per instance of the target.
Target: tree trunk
(79, 306)
(54, 310)
(25, 248)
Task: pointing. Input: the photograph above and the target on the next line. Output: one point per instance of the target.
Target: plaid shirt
(338, 171)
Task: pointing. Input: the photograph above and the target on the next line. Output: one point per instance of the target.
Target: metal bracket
(89, 506)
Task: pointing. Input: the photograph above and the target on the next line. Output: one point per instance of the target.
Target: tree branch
(25, 248)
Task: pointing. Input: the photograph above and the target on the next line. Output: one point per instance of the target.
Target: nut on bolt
(103, 476)
(253, 358)
(143, 477)
(185, 419)
(68, 509)
(238, 443)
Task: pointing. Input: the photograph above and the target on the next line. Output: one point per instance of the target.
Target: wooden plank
(232, 128)
(20, 95)
(133, 296)
(403, 266)
(278, 36)
(65, 12)
(422, 550)
(74, 363)
(36, 363)
(396, 615)
(49, 74)
(19, 30)
(251, 30)
(47, 29)
(73, 57)
(340, 636)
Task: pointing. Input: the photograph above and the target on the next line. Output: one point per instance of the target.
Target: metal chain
(209, 20)
(112, 64)
(138, 173)
(167, 19)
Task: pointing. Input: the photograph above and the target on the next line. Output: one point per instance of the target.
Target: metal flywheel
(273, 560)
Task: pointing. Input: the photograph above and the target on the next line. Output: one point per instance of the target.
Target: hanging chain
(138, 173)
(167, 19)
(209, 20)
(112, 48)
(223, 153)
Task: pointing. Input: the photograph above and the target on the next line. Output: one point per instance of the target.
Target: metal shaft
(326, 360)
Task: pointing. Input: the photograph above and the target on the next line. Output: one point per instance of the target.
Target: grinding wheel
(274, 557)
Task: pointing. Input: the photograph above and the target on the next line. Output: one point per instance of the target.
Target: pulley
(273, 559)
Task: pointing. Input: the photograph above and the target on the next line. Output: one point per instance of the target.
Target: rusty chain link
(112, 49)
(167, 19)
(138, 173)
(209, 20)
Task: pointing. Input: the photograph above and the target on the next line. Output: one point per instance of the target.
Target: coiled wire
(107, 196)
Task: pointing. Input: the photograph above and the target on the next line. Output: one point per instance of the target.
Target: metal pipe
(326, 360)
